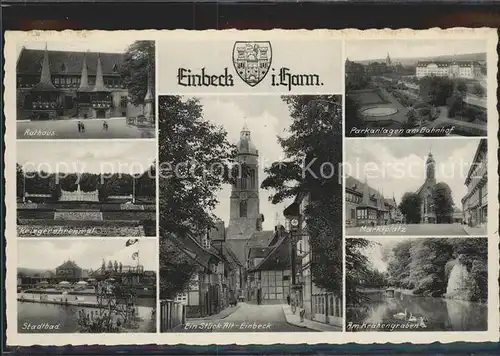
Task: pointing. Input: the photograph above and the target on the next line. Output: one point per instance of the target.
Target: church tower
(388, 60)
(430, 169)
(245, 217)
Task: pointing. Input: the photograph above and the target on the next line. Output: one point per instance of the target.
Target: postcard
(251, 187)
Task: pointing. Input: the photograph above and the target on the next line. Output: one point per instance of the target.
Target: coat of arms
(252, 60)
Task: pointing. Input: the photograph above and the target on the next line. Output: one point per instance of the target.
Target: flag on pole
(135, 255)
(130, 242)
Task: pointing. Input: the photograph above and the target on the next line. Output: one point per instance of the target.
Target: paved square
(61, 129)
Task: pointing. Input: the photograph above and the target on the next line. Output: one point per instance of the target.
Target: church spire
(99, 79)
(84, 80)
(245, 145)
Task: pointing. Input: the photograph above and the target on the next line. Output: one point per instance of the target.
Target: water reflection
(437, 314)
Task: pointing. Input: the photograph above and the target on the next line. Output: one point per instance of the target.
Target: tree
(478, 90)
(357, 270)
(313, 152)
(195, 160)
(115, 266)
(110, 266)
(398, 262)
(138, 65)
(352, 117)
(462, 87)
(176, 270)
(427, 266)
(455, 104)
(436, 90)
(443, 202)
(120, 267)
(116, 309)
(410, 207)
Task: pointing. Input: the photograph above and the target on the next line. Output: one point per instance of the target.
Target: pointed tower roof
(245, 144)
(99, 80)
(84, 80)
(430, 158)
(45, 83)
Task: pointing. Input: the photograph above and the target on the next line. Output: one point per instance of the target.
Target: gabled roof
(259, 252)
(355, 186)
(261, 238)
(69, 63)
(230, 256)
(278, 258)
(195, 250)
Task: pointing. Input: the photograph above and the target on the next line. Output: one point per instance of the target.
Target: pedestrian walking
(79, 126)
(83, 127)
(288, 299)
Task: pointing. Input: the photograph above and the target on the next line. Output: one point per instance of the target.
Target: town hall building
(62, 84)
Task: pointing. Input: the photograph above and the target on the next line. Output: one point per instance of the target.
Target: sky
(103, 156)
(378, 49)
(398, 166)
(375, 252)
(87, 253)
(115, 46)
(266, 117)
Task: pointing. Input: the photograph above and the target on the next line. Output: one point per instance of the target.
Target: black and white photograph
(86, 90)
(416, 284)
(415, 88)
(86, 188)
(86, 286)
(426, 187)
(250, 195)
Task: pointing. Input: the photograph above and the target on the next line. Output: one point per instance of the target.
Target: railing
(172, 314)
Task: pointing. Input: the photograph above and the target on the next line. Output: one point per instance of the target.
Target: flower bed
(131, 207)
(27, 206)
(78, 215)
(78, 223)
(128, 215)
(35, 214)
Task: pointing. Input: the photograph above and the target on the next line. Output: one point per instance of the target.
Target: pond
(379, 111)
(437, 314)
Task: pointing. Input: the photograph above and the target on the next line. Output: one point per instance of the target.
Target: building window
(115, 68)
(251, 177)
(56, 81)
(243, 182)
(205, 241)
(123, 101)
(63, 67)
(243, 209)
